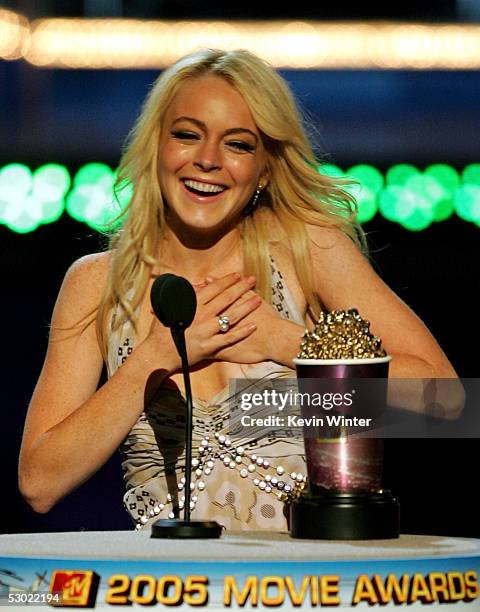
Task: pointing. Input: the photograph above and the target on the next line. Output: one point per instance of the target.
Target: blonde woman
(226, 194)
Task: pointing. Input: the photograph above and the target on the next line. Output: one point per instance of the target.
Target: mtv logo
(74, 588)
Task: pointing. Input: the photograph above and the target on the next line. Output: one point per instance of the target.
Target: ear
(264, 179)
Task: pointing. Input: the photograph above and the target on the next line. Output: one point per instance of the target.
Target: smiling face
(211, 157)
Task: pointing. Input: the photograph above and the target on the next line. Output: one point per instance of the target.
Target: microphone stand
(176, 528)
(179, 336)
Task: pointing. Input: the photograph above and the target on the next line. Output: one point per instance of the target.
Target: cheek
(171, 158)
(245, 171)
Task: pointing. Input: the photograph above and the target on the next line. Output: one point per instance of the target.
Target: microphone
(174, 302)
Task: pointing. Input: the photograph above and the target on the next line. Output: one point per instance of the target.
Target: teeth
(206, 187)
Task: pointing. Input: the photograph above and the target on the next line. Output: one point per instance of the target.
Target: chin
(207, 228)
(207, 223)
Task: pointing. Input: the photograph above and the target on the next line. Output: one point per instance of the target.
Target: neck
(199, 256)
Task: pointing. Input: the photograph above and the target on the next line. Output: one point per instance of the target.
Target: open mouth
(203, 189)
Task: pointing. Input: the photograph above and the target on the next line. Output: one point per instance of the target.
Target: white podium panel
(241, 570)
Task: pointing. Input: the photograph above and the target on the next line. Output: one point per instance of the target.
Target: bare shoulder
(92, 267)
(327, 238)
(82, 287)
(90, 271)
(342, 273)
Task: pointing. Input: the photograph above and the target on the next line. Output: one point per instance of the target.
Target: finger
(232, 336)
(242, 308)
(220, 303)
(218, 286)
(210, 278)
(212, 289)
(199, 286)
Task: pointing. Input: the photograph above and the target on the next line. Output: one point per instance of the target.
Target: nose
(208, 156)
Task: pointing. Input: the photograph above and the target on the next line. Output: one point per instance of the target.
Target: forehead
(211, 99)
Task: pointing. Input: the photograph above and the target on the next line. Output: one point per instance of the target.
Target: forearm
(410, 366)
(416, 385)
(70, 452)
(409, 376)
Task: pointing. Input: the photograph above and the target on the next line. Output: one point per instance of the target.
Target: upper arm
(73, 363)
(343, 279)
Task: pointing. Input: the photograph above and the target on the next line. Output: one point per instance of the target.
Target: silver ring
(223, 323)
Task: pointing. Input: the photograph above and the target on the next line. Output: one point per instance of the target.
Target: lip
(202, 199)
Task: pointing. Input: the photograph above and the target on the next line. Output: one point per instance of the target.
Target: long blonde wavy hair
(295, 195)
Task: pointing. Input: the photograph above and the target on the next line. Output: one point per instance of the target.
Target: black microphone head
(173, 300)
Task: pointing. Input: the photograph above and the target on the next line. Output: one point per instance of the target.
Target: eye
(241, 145)
(184, 135)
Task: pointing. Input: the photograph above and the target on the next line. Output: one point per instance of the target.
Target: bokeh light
(404, 195)
(369, 183)
(28, 200)
(92, 199)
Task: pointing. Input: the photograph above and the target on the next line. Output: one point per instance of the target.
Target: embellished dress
(243, 482)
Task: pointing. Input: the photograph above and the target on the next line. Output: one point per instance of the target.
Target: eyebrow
(203, 126)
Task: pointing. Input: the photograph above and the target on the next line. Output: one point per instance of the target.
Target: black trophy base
(334, 515)
(177, 529)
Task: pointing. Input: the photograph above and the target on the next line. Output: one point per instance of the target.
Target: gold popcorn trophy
(344, 499)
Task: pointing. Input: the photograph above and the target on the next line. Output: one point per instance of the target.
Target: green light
(79, 199)
(440, 198)
(467, 202)
(367, 206)
(91, 198)
(399, 174)
(50, 184)
(23, 224)
(467, 197)
(370, 183)
(407, 196)
(389, 202)
(443, 209)
(368, 176)
(23, 217)
(121, 199)
(405, 205)
(366, 202)
(445, 175)
(52, 211)
(441, 183)
(425, 192)
(99, 213)
(15, 183)
(416, 210)
(330, 170)
(471, 174)
(95, 174)
(420, 219)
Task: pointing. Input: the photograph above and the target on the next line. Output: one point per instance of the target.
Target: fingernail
(251, 280)
(209, 279)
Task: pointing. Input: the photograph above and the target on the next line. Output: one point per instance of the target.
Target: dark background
(408, 10)
(378, 117)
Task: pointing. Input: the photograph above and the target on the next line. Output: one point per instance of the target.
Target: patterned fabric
(241, 485)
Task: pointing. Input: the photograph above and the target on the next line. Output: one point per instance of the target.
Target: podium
(248, 570)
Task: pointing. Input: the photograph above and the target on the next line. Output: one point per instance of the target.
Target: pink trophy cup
(344, 499)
